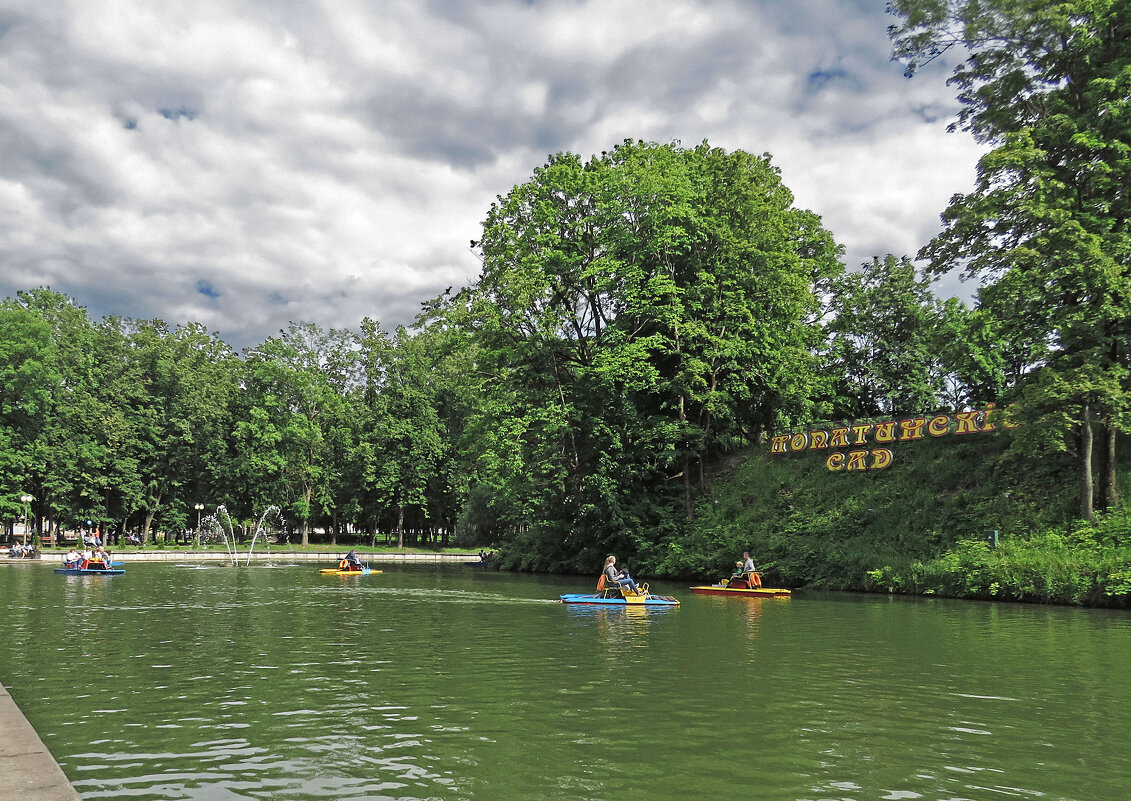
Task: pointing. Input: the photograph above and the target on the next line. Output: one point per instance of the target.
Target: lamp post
(199, 508)
(25, 499)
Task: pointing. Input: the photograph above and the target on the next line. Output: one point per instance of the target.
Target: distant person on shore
(618, 577)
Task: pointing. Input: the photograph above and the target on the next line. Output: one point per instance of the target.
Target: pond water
(274, 682)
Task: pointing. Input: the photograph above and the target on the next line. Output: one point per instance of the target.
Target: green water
(219, 683)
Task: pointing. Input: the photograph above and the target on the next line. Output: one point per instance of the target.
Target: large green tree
(639, 312)
(295, 386)
(1046, 85)
(30, 378)
(172, 391)
(404, 435)
(880, 351)
(66, 457)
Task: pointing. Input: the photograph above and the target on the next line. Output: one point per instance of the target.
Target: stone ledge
(28, 772)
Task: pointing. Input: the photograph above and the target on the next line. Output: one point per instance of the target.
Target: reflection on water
(174, 682)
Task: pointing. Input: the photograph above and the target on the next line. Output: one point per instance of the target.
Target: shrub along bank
(918, 526)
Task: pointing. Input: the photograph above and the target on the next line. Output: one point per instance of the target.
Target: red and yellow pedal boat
(749, 585)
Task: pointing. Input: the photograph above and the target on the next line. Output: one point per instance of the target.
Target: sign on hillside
(861, 437)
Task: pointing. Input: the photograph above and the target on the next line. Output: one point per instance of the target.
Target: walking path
(263, 555)
(28, 772)
(277, 553)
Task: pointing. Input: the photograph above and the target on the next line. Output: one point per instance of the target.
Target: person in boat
(618, 577)
(351, 561)
(103, 555)
(72, 559)
(747, 572)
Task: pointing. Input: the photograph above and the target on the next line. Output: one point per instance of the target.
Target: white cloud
(245, 164)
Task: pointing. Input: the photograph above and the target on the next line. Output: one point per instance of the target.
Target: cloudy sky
(246, 163)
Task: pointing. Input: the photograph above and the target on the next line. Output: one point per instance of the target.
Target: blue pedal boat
(94, 567)
(609, 595)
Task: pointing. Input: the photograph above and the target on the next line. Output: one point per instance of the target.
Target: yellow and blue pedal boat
(615, 595)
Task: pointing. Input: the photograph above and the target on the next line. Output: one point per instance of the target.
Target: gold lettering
(881, 458)
(939, 426)
(779, 443)
(885, 432)
(967, 423)
(835, 462)
(857, 460)
(839, 438)
(860, 433)
(911, 429)
(818, 439)
(798, 442)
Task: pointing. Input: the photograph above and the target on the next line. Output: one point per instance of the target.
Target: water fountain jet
(220, 526)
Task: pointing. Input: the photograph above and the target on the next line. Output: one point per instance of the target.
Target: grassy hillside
(808, 526)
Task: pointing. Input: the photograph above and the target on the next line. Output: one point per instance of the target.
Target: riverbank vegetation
(644, 321)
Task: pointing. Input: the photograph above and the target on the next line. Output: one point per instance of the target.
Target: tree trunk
(400, 526)
(334, 529)
(1109, 482)
(1087, 511)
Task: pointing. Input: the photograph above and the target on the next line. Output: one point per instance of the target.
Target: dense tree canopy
(640, 313)
(1047, 227)
(640, 317)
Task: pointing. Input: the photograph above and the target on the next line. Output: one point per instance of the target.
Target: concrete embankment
(283, 555)
(264, 555)
(28, 772)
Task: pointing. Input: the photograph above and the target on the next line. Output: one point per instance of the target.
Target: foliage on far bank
(1084, 564)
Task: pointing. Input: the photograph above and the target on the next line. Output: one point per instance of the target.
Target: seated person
(618, 577)
(747, 572)
(353, 561)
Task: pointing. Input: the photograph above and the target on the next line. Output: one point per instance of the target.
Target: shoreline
(28, 771)
(274, 554)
